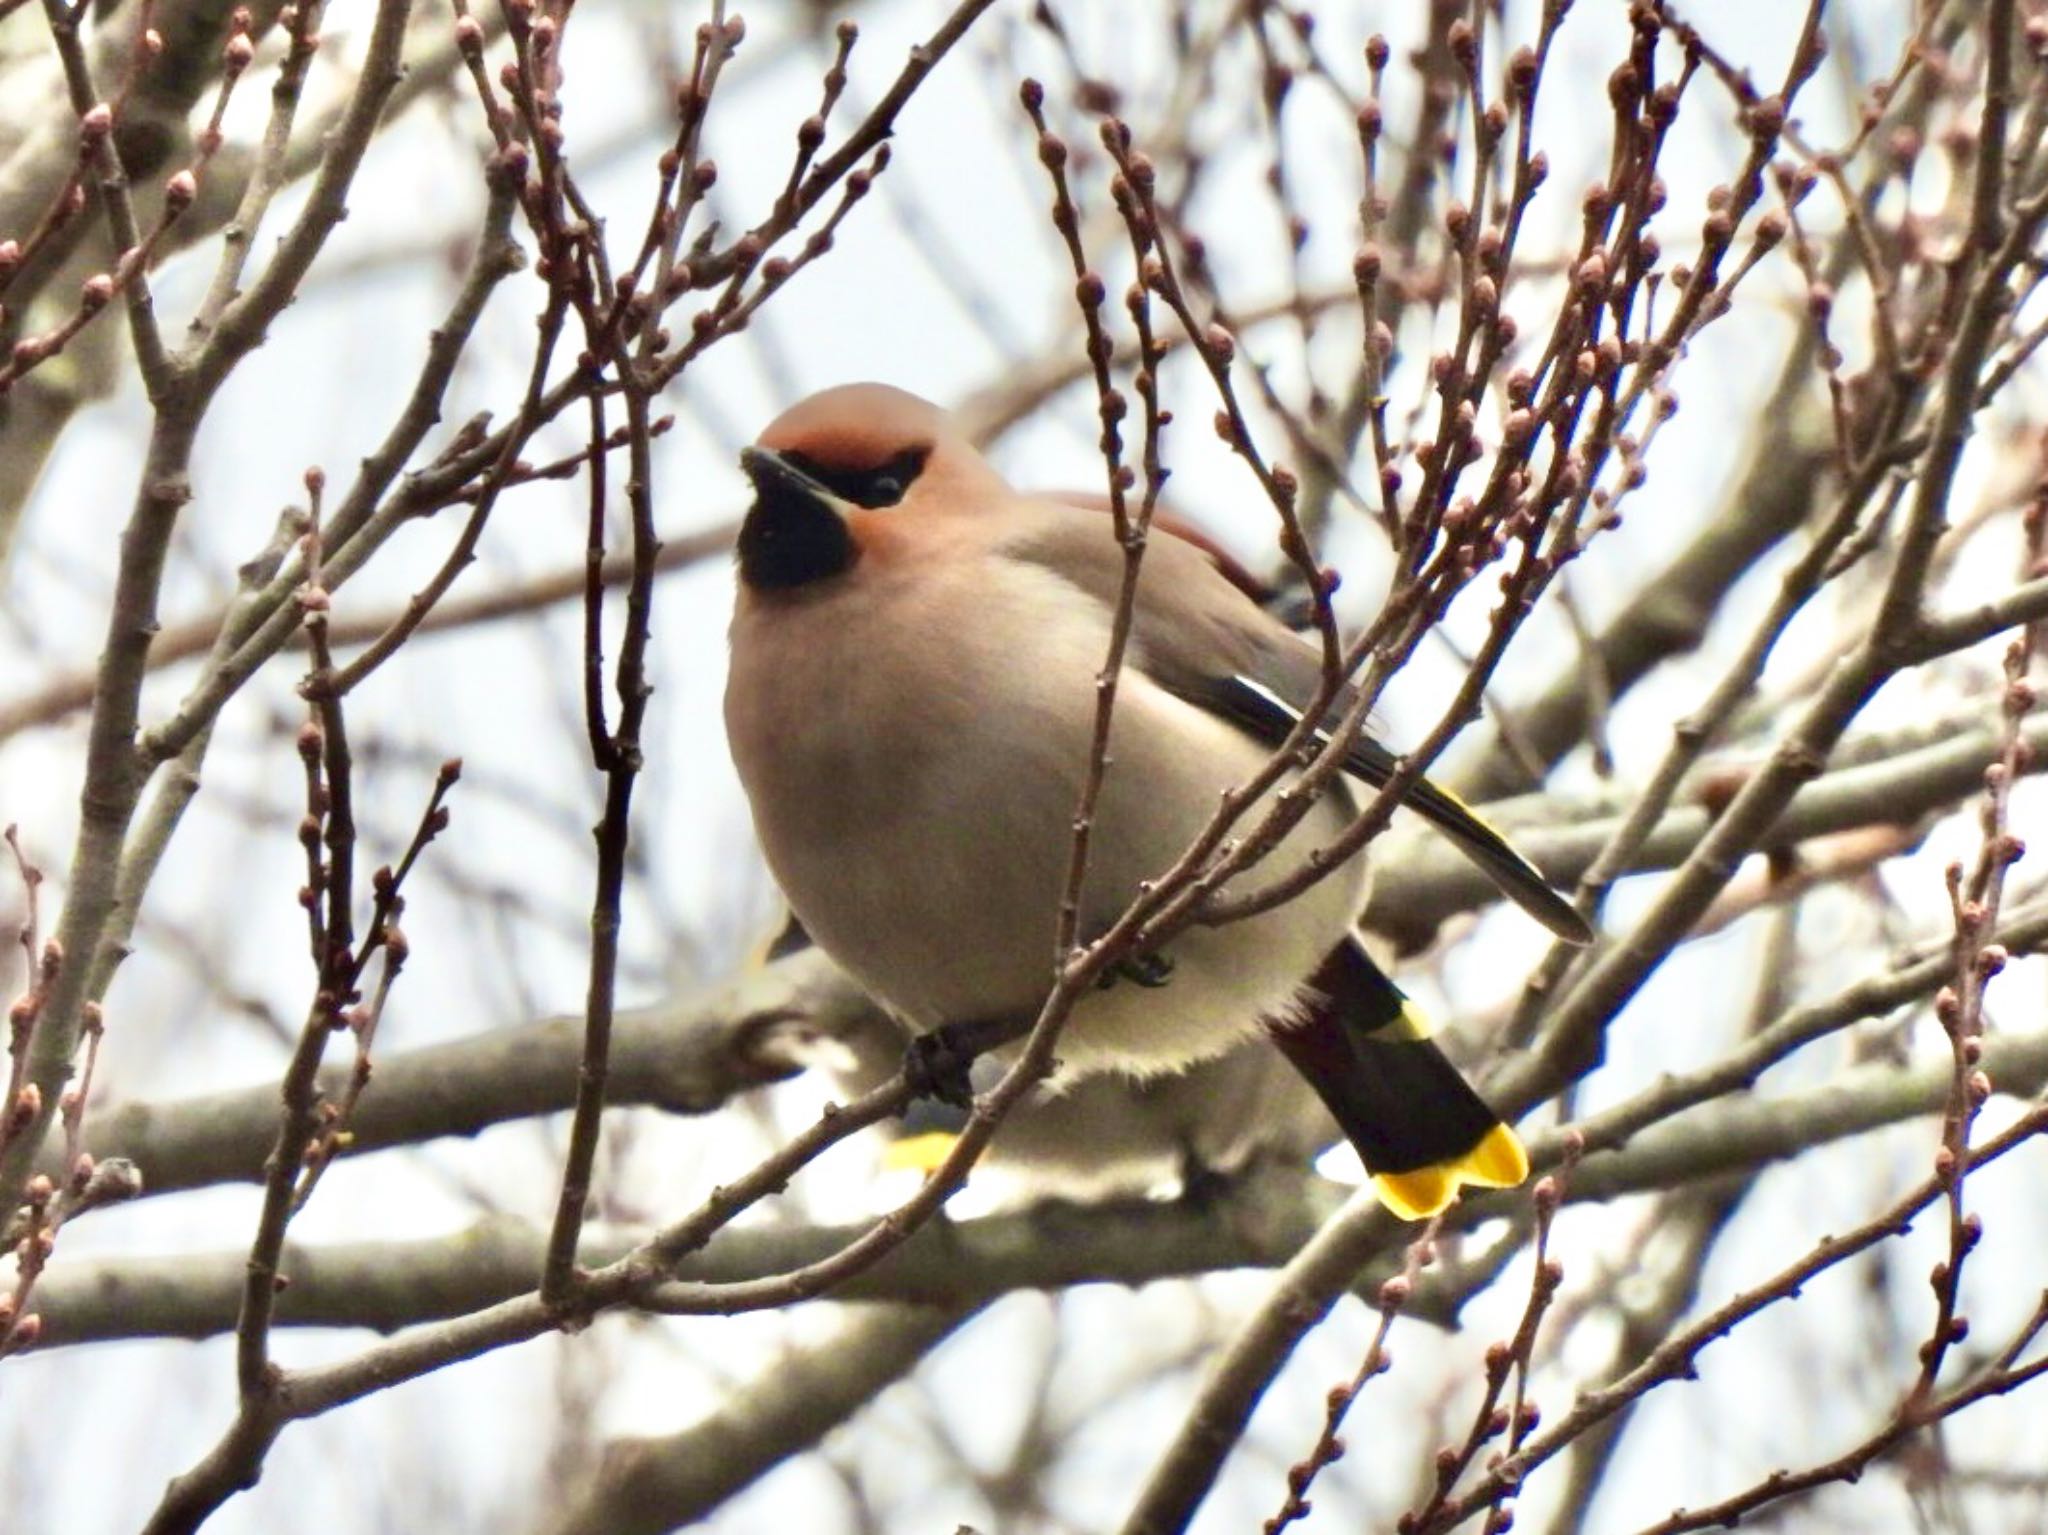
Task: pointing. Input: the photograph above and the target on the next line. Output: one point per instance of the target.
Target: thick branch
(651, 1486)
(690, 1057)
(1269, 1217)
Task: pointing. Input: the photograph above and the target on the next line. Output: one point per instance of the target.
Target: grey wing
(1199, 636)
(1191, 622)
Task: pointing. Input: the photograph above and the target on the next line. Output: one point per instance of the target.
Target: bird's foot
(936, 1066)
(1148, 970)
(1202, 1187)
(939, 1063)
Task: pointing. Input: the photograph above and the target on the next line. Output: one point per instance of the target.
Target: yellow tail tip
(919, 1153)
(1497, 1162)
(1418, 1194)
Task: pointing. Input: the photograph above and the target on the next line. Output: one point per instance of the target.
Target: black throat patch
(791, 538)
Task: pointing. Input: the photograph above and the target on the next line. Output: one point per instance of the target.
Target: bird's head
(831, 470)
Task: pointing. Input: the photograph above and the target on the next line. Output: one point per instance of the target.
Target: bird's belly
(935, 875)
(930, 894)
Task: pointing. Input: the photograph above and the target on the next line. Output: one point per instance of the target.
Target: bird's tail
(1420, 1129)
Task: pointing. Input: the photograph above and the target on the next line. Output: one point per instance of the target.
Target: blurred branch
(1900, 636)
(689, 1057)
(1672, 609)
(1026, 388)
(478, 1284)
(1695, 1219)
(150, 130)
(1676, 1356)
(394, 1285)
(60, 697)
(1413, 894)
(650, 1486)
(116, 772)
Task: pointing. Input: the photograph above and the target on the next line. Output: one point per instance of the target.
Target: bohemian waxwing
(911, 708)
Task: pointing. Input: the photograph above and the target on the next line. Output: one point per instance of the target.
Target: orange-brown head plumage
(855, 425)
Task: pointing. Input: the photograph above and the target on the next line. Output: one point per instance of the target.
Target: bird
(910, 707)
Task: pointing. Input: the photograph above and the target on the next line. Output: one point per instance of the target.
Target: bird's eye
(883, 485)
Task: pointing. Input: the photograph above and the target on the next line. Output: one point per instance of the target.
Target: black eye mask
(883, 485)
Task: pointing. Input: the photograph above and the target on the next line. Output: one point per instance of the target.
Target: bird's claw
(1202, 1187)
(937, 1066)
(1148, 970)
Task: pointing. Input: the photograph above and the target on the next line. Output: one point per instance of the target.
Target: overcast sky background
(498, 915)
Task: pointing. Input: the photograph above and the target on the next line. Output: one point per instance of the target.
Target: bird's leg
(1201, 1186)
(936, 1068)
(1148, 970)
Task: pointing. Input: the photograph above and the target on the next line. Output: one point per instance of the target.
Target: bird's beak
(777, 480)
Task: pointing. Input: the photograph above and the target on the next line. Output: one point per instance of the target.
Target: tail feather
(1420, 1129)
(1269, 715)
